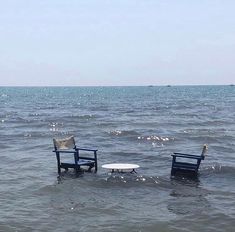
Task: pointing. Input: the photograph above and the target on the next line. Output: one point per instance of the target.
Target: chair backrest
(204, 150)
(63, 144)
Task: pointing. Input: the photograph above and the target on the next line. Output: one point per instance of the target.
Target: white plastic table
(120, 167)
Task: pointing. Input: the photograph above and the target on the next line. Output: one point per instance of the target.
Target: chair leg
(58, 162)
(76, 158)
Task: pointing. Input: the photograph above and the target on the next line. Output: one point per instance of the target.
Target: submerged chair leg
(90, 167)
(96, 166)
(172, 165)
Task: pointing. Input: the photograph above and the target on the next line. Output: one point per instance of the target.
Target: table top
(120, 166)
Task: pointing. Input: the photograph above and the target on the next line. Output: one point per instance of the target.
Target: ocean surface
(141, 125)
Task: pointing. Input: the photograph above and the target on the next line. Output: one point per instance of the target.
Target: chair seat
(80, 163)
(186, 166)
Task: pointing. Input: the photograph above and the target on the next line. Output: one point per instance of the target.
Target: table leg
(133, 171)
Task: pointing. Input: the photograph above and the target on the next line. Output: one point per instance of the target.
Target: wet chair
(71, 154)
(186, 163)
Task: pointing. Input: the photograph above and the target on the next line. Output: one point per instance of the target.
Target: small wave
(218, 169)
(141, 138)
(117, 180)
(4, 95)
(156, 141)
(85, 116)
(125, 154)
(55, 126)
(127, 180)
(183, 187)
(100, 108)
(155, 138)
(37, 114)
(124, 133)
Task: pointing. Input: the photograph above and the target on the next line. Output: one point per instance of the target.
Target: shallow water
(141, 125)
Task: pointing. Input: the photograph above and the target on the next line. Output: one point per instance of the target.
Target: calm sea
(141, 125)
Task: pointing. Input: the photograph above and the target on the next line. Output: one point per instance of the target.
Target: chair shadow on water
(187, 196)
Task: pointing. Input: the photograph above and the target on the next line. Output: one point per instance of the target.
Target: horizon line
(150, 85)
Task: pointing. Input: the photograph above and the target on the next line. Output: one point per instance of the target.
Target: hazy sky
(122, 42)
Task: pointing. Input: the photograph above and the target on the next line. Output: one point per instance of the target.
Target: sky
(124, 42)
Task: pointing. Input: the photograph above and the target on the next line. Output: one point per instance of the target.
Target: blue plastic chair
(183, 163)
(68, 147)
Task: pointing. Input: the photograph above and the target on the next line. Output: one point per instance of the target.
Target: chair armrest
(85, 149)
(86, 158)
(182, 155)
(64, 151)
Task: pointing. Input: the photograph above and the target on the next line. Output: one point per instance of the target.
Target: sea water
(140, 125)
